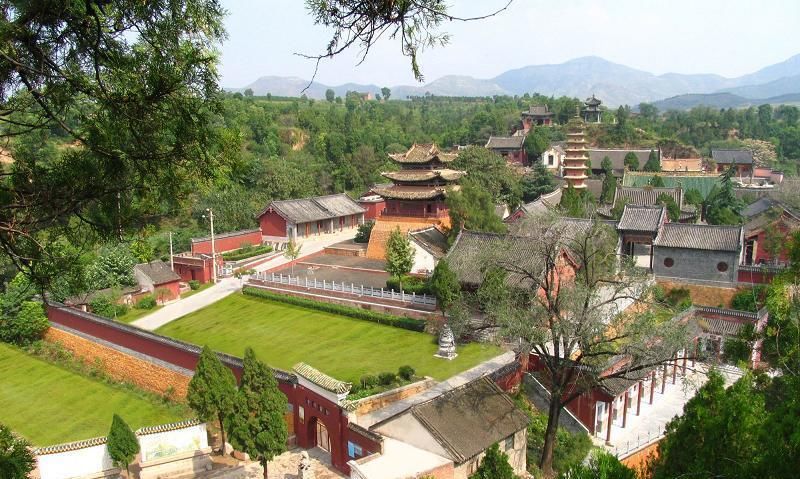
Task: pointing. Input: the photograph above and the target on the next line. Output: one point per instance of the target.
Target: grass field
(345, 348)
(48, 404)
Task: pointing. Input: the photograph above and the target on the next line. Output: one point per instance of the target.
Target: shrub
(411, 284)
(680, 298)
(749, 299)
(406, 372)
(368, 381)
(246, 252)
(357, 313)
(103, 306)
(387, 378)
(147, 302)
(364, 232)
(194, 285)
(28, 325)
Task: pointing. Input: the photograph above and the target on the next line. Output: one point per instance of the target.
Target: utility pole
(171, 262)
(213, 250)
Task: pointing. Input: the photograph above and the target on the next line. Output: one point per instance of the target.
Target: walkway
(483, 369)
(226, 286)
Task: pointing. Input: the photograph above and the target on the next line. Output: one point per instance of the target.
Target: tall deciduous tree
(399, 255)
(257, 426)
(122, 443)
(472, 208)
(490, 172)
(537, 182)
(330, 95)
(673, 210)
(212, 390)
(16, 458)
(565, 310)
(386, 92)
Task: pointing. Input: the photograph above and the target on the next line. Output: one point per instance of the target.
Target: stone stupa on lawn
(447, 344)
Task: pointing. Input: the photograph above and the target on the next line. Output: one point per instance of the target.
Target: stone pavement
(282, 467)
(226, 286)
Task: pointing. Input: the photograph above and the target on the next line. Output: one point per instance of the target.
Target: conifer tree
(494, 465)
(652, 163)
(399, 255)
(122, 444)
(445, 285)
(609, 182)
(257, 426)
(212, 390)
(16, 459)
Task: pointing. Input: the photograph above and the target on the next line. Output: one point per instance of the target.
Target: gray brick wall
(698, 265)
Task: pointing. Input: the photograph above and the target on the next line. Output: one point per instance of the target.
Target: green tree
(472, 208)
(25, 327)
(248, 92)
(609, 182)
(386, 92)
(16, 458)
(122, 444)
(399, 255)
(257, 426)
(489, 171)
(693, 197)
(652, 163)
(212, 390)
(113, 267)
(656, 182)
(721, 206)
(631, 161)
(574, 202)
(673, 210)
(364, 232)
(292, 252)
(445, 286)
(537, 182)
(330, 95)
(494, 465)
(602, 465)
(536, 143)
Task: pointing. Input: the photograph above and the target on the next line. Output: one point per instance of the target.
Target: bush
(749, 299)
(246, 252)
(387, 378)
(401, 322)
(364, 232)
(411, 284)
(368, 381)
(194, 285)
(147, 302)
(26, 326)
(680, 298)
(406, 372)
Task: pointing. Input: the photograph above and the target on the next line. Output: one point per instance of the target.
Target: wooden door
(323, 441)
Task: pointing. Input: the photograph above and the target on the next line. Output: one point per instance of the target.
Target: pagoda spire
(576, 154)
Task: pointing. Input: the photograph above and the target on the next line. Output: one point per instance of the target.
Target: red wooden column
(652, 385)
(664, 379)
(696, 352)
(610, 418)
(674, 367)
(684, 363)
(625, 408)
(639, 400)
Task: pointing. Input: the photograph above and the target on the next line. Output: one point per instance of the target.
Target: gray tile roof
(617, 157)
(646, 219)
(759, 206)
(545, 202)
(321, 379)
(505, 142)
(158, 271)
(469, 419)
(315, 209)
(432, 240)
(473, 251)
(737, 157)
(719, 326)
(538, 110)
(702, 237)
(647, 195)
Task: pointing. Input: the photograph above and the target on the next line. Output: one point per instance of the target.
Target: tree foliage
(472, 208)
(673, 210)
(537, 182)
(494, 465)
(652, 163)
(609, 182)
(257, 426)
(399, 255)
(490, 172)
(212, 390)
(444, 285)
(113, 267)
(631, 161)
(721, 206)
(122, 443)
(602, 465)
(16, 458)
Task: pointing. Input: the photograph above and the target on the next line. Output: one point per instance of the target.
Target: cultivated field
(48, 404)
(345, 348)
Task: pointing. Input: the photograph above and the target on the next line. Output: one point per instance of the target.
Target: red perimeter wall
(227, 242)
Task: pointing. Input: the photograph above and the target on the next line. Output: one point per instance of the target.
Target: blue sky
(729, 38)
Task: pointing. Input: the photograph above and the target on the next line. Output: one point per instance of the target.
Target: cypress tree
(652, 163)
(122, 444)
(257, 426)
(212, 390)
(445, 285)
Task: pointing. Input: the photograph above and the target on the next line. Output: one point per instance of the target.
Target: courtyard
(345, 348)
(341, 269)
(48, 404)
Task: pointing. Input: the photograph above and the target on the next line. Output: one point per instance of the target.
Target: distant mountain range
(613, 83)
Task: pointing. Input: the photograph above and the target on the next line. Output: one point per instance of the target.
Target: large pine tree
(212, 390)
(257, 426)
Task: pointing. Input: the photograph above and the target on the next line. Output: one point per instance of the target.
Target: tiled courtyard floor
(282, 467)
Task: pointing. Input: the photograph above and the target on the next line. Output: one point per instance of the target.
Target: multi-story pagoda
(576, 155)
(419, 189)
(591, 110)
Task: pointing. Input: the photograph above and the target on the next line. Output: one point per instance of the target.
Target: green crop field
(345, 348)
(48, 404)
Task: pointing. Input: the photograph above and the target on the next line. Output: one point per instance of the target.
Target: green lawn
(345, 348)
(133, 314)
(48, 404)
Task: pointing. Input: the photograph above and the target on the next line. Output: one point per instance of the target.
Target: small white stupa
(447, 344)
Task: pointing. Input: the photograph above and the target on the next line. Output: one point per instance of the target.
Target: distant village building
(537, 115)
(617, 157)
(767, 225)
(157, 277)
(553, 157)
(287, 220)
(741, 160)
(575, 158)
(512, 148)
(591, 110)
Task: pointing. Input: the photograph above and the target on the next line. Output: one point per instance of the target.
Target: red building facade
(195, 267)
(419, 189)
(226, 241)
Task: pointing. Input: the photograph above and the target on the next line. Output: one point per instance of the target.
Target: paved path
(226, 286)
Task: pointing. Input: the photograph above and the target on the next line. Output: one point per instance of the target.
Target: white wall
(161, 445)
(80, 462)
(423, 260)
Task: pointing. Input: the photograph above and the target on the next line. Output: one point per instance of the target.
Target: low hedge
(401, 322)
(411, 284)
(247, 252)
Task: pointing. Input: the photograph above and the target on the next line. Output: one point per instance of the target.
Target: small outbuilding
(307, 217)
(157, 277)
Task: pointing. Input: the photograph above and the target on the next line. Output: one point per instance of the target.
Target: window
(722, 266)
(301, 413)
(509, 445)
(669, 262)
(550, 160)
(354, 450)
